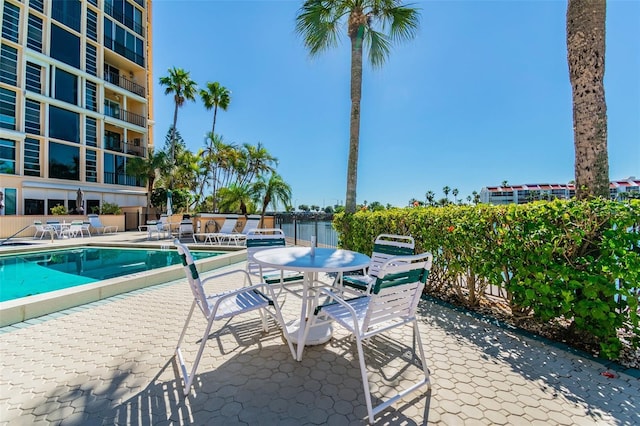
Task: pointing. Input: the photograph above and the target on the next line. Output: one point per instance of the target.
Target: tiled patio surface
(111, 362)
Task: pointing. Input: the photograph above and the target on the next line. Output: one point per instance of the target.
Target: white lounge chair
(99, 228)
(158, 229)
(185, 228)
(392, 303)
(221, 306)
(77, 227)
(221, 235)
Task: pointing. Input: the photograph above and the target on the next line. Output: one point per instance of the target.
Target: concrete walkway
(111, 362)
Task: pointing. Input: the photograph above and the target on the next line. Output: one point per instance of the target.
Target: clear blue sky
(481, 95)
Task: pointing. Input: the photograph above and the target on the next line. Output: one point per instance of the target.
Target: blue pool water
(27, 274)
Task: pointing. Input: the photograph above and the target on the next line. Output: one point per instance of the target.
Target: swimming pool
(28, 274)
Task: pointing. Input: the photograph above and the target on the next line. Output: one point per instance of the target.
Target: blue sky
(480, 96)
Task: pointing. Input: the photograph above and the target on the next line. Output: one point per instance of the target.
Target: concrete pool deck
(111, 362)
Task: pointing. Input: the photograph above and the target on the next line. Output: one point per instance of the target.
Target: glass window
(65, 46)
(31, 157)
(10, 200)
(92, 96)
(51, 203)
(108, 36)
(7, 109)
(92, 25)
(33, 77)
(64, 161)
(10, 22)
(34, 33)
(91, 60)
(67, 12)
(66, 87)
(91, 168)
(64, 124)
(32, 117)
(91, 132)
(8, 65)
(37, 5)
(7, 156)
(33, 206)
(112, 141)
(93, 2)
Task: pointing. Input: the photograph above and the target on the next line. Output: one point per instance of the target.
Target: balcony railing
(121, 179)
(133, 147)
(123, 114)
(125, 83)
(124, 51)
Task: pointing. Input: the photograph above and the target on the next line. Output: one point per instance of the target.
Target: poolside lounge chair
(99, 228)
(76, 228)
(217, 237)
(392, 303)
(241, 237)
(221, 306)
(385, 247)
(185, 228)
(266, 238)
(43, 230)
(157, 228)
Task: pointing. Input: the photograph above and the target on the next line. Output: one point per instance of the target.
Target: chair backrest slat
(261, 239)
(387, 246)
(228, 226)
(193, 277)
(251, 224)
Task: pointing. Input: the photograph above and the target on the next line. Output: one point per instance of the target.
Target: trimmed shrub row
(573, 260)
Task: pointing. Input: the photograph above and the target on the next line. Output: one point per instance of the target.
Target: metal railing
(120, 81)
(123, 114)
(299, 228)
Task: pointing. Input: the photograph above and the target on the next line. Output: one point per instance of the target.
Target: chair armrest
(336, 299)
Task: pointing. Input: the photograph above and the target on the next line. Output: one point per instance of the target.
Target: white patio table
(301, 259)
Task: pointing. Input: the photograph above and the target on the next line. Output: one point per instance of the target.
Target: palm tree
(455, 195)
(147, 169)
(319, 22)
(271, 191)
(237, 198)
(215, 96)
(585, 54)
(446, 191)
(430, 197)
(183, 88)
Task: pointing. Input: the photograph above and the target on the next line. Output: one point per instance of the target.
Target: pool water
(27, 274)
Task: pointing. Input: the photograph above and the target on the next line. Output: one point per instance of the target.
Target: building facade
(520, 194)
(75, 103)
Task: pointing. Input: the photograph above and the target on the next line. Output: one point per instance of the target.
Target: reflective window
(37, 5)
(92, 96)
(66, 87)
(34, 77)
(91, 138)
(31, 157)
(67, 12)
(7, 109)
(33, 206)
(91, 166)
(65, 46)
(7, 156)
(92, 25)
(8, 65)
(10, 22)
(91, 59)
(34, 33)
(10, 201)
(64, 124)
(64, 161)
(32, 117)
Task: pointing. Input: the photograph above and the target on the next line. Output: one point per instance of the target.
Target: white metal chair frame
(185, 228)
(227, 228)
(220, 306)
(43, 229)
(392, 303)
(385, 247)
(77, 227)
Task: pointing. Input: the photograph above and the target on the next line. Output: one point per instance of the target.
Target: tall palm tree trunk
(213, 126)
(356, 29)
(173, 134)
(585, 54)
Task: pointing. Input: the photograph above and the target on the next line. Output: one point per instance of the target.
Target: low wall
(9, 225)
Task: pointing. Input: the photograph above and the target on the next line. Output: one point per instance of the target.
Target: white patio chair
(158, 229)
(266, 238)
(219, 306)
(185, 228)
(74, 229)
(392, 303)
(226, 231)
(43, 230)
(96, 224)
(385, 247)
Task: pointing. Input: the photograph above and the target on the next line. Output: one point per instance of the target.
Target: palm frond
(379, 47)
(318, 24)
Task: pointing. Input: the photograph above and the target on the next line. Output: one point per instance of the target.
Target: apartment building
(75, 102)
(520, 194)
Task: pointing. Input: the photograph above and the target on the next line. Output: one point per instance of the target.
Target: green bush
(58, 210)
(572, 260)
(109, 208)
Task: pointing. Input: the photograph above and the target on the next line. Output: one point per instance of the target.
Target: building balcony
(125, 20)
(125, 83)
(132, 147)
(123, 51)
(123, 114)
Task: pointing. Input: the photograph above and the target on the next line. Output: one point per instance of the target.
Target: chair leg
(365, 379)
(423, 359)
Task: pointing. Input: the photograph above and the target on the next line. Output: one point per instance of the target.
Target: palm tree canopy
(215, 96)
(179, 83)
(376, 23)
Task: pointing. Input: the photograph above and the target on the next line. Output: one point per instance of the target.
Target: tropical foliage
(319, 23)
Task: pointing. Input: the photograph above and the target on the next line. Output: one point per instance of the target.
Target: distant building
(520, 194)
(75, 103)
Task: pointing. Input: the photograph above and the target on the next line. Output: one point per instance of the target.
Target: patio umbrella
(169, 208)
(79, 201)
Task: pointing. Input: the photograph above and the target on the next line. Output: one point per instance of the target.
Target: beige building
(75, 103)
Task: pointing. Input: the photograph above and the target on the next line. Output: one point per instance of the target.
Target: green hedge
(572, 260)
